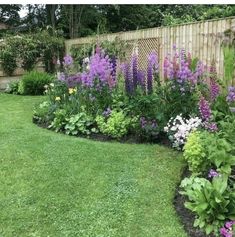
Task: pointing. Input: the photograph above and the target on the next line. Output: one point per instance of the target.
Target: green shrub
(194, 153)
(116, 125)
(8, 58)
(12, 87)
(32, 83)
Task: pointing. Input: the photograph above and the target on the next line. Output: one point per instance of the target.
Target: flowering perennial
(179, 128)
(231, 94)
(212, 173)
(214, 86)
(204, 109)
(227, 229)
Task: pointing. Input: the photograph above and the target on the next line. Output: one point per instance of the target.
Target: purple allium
(128, 78)
(107, 112)
(68, 60)
(134, 63)
(204, 109)
(231, 94)
(212, 173)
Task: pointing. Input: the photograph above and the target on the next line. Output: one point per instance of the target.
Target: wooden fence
(202, 39)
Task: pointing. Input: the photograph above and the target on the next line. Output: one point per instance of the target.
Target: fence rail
(202, 39)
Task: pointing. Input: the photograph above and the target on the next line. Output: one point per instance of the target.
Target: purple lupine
(134, 62)
(128, 78)
(152, 66)
(231, 94)
(141, 79)
(153, 60)
(213, 173)
(214, 86)
(68, 60)
(149, 79)
(114, 67)
(210, 126)
(204, 109)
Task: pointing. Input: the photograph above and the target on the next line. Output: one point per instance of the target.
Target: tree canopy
(83, 20)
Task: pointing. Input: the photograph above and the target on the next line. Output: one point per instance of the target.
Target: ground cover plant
(57, 185)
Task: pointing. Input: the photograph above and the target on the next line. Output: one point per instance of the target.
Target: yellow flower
(75, 90)
(57, 98)
(70, 91)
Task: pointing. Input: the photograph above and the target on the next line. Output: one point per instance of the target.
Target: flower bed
(112, 101)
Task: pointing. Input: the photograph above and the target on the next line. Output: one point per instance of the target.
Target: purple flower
(141, 79)
(134, 62)
(212, 173)
(214, 87)
(150, 79)
(227, 229)
(153, 61)
(204, 109)
(143, 122)
(152, 67)
(231, 94)
(68, 60)
(210, 126)
(128, 78)
(114, 67)
(107, 112)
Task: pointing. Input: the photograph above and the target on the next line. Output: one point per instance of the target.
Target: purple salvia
(134, 63)
(204, 109)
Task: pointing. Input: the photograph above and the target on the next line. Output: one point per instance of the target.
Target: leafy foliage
(32, 83)
(213, 202)
(194, 153)
(79, 123)
(116, 125)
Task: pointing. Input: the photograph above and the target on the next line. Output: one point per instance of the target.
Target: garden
(96, 145)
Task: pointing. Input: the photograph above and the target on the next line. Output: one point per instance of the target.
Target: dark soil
(186, 216)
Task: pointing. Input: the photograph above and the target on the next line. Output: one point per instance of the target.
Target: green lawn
(56, 185)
